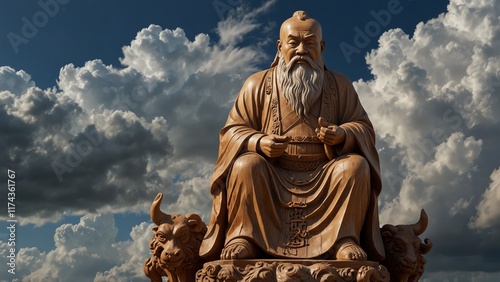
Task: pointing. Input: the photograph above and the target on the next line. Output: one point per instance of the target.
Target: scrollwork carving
(291, 271)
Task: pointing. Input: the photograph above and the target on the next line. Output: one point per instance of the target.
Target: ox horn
(156, 214)
(421, 225)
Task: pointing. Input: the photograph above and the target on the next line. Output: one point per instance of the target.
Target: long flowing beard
(301, 83)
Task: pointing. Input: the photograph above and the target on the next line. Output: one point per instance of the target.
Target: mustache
(296, 59)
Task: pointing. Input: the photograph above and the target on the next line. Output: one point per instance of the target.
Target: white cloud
(457, 154)
(81, 250)
(241, 21)
(86, 251)
(14, 81)
(133, 254)
(434, 104)
(488, 210)
(460, 204)
(192, 198)
(427, 100)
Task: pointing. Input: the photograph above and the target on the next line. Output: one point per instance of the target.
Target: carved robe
(300, 204)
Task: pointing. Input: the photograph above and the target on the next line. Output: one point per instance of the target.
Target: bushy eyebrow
(310, 36)
(306, 36)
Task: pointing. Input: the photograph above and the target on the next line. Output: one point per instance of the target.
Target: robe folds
(288, 208)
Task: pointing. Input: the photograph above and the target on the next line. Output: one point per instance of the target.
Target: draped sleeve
(243, 127)
(360, 135)
(360, 139)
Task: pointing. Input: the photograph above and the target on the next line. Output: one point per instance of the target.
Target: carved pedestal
(291, 270)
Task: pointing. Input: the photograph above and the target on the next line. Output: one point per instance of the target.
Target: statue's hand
(330, 134)
(273, 146)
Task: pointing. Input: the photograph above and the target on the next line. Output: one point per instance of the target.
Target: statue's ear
(194, 222)
(278, 45)
(322, 43)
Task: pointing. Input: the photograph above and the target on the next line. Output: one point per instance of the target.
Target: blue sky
(87, 30)
(100, 100)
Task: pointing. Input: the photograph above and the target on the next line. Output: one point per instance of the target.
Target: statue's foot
(347, 249)
(239, 248)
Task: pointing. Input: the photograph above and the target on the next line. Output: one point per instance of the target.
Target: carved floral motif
(288, 271)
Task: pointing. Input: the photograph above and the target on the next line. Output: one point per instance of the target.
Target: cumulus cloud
(108, 139)
(133, 254)
(86, 251)
(488, 211)
(81, 249)
(14, 81)
(434, 103)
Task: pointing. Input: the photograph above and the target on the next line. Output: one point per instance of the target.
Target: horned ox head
(177, 238)
(404, 249)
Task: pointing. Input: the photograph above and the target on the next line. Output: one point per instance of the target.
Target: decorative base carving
(291, 270)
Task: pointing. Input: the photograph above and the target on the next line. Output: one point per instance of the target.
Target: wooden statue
(296, 182)
(298, 172)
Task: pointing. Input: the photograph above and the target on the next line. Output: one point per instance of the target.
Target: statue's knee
(246, 169)
(361, 165)
(356, 166)
(248, 163)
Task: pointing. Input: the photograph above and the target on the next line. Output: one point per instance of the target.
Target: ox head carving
(175, 243)
(404, 249)
(159, 217)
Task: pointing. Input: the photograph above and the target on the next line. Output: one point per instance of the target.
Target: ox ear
(388, 231)
(426, 246)
(194, 222)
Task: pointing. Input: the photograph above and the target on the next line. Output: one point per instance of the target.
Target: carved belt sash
(306, 162)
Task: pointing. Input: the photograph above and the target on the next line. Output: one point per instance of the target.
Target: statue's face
(301, 38)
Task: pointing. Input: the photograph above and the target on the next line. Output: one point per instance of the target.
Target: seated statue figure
(297, 174)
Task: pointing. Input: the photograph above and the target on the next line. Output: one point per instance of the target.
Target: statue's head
(301, 35)
(299, 62)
